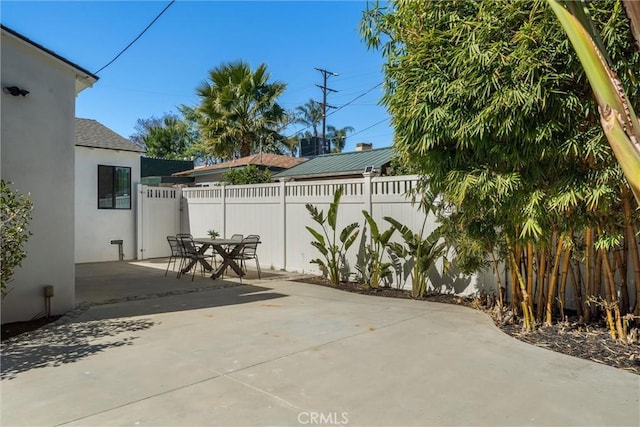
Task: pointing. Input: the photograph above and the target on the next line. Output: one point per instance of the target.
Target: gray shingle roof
(90, 133)
(339, 164)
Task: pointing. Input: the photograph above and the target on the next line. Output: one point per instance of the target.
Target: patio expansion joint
(229, 374)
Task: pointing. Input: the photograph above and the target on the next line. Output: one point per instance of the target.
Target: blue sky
(163, 68)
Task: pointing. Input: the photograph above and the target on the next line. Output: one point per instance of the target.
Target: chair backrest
(188, 246)
(175, 246)
(179, 235)
(237, 237)
(251, 245)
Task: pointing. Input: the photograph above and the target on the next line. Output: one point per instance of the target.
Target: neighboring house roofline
(91, 133)
(321, 175)
(84, 78)
(339, 164)
(266, 160)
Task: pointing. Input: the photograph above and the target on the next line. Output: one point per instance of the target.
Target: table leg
(228, 260)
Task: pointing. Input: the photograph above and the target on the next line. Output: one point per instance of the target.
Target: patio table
(228, 249)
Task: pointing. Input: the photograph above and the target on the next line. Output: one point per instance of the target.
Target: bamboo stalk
(612, 302)
(577, 290)
(588, 270)
(515, 295)
(624, 293)
(563, 281)
(497, 273)
(543, 271)
(630, 236)
(553, 282)
(530, 275)
(597, 276)
(608, 294)
(529, 323)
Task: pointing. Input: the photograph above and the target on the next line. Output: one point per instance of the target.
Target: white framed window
(114, 187)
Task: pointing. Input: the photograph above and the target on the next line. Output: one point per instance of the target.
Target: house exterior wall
(206, 179)
(95, 228)
(37, 143)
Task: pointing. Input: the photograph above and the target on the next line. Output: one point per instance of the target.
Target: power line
(340, 108)
(353, 76)
(353, 100)
(136, 39)
(369, 127)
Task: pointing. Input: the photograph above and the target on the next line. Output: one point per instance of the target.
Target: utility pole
(325, 75)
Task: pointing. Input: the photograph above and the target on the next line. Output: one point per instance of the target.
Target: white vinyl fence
(277, 213)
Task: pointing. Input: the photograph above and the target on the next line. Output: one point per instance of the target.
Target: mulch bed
(590, 342)
(10, 330)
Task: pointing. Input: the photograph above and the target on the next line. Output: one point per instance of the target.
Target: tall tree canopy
(310, 114)
(238, 112)
(490, 104)
(166, 137)
(338, 137)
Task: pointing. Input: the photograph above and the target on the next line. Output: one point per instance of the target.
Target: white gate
(158, 217)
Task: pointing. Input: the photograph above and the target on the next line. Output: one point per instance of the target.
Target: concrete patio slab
(275, 352)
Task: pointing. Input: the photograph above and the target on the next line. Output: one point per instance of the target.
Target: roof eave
(84, 78)
(110, 148)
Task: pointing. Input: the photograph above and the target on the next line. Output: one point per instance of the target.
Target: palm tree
(238, 110)
(338, 137)
(310, 114)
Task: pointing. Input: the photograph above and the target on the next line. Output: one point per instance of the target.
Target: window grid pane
(105, 187)
(114, 187)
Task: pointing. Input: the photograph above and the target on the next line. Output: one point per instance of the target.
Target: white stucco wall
(37, 145)
(95, 228)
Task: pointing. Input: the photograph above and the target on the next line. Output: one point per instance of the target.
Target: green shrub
(15, 214)
(250, 174)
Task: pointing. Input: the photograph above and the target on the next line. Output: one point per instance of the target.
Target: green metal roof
(339, 164)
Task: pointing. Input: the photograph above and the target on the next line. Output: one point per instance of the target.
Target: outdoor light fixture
(15, 91)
